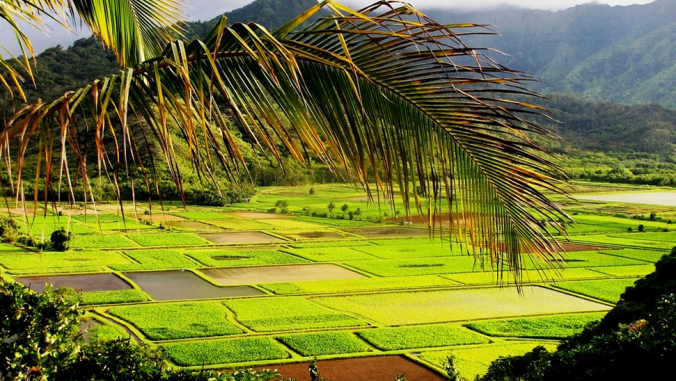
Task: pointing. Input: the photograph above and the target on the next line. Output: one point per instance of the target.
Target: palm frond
(133, 29)
(384, 90)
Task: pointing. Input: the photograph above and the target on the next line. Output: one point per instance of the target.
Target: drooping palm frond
(131, 29)
(382, 88)
(14, 12)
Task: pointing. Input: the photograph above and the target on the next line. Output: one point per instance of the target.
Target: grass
(103, 332)
(330, 254)
(113, 297)
(118, 226)
(287, 314)
(622, 271)
(472, 362)
(550, 327)
(417, 266)
(202, 215)
(293, 224)
(430, 336)
(422, 307)
(225, 351)
(352, 285)
(93, 218)
(624, 240)
(240, 224)
(168, 239)
(491, 277)
(640, 254)
(333, 243)
(440, 249)
(178, 320)
(235, 258)
(591, 259)
(336, 222)
(160, 259)
(101, 241)
(660, 236)
(606, 290)
(69, 261)
(325, 343)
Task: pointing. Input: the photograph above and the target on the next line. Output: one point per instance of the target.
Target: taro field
(247, 285)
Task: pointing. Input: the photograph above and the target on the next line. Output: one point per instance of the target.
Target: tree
(39, 332)
(60, 239)
(393, 80)
(312, 191)
(330, 207)
(344, 208)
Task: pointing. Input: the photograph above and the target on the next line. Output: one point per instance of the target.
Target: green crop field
(100, 241)
(235, 258)
(472, 362)
(160, 259)
(549, 327)
(325, 343)
(225, 351)
(456, 305)
(606, 290)
(417, 266)
(640, 254)
(113, 297)
(178, 320)
(202, 215)
(397, 292)
(71, 261)
(167, 239)
(330, 254)
(427, 336)
(352, 285)
(287, 314)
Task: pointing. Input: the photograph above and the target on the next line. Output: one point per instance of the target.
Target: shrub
(281, 204)
(641, 228)
(9, 230)
(272, 210)
(629, 230)
(60, 239)
(285, 210)
(634, 341)
(312, 191)
(39, 332)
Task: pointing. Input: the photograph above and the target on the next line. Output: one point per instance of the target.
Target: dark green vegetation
(594, 50)
(639, 330)
(41, 340)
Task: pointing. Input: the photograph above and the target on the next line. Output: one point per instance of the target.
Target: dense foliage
(39, 332)
(41, 341)
(635, 340)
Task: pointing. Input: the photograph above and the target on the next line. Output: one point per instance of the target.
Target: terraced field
(240, 286)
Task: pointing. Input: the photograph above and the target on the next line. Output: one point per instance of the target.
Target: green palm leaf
(382, 93)
(132, 29)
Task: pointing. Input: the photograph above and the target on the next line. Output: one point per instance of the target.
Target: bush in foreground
(636, 340)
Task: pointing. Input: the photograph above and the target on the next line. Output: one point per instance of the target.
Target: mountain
(594, 51)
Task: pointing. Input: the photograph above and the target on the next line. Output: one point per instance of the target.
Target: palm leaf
(131, 29)
(383, 93)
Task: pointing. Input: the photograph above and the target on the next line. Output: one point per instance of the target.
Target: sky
(208, 9)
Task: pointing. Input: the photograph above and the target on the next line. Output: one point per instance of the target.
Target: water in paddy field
(663, 198)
